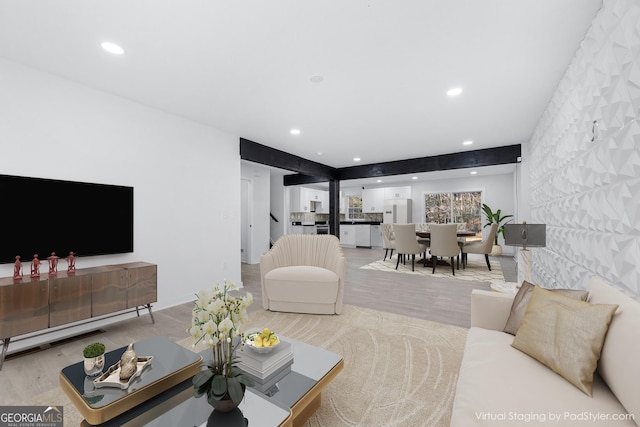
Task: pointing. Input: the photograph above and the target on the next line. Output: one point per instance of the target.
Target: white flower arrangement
(219, 321)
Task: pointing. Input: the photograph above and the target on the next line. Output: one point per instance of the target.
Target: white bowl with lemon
(263, 341)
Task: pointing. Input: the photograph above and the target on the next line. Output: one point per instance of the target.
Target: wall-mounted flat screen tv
(40, 216)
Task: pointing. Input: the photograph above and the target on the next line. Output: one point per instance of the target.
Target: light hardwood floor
(439, 300)
(431, 298)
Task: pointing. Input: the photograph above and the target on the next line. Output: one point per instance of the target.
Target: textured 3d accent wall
(585, 179)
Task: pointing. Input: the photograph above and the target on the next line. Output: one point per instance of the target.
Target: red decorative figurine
(53, 263)
(35, 266)
(17, 269)
(71, 260)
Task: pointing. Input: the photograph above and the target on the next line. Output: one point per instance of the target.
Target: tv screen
(40, 216)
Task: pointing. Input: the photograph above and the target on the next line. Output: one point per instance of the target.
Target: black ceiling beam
(298, 179)
(467, 159)
(258, 153)
(310, 172)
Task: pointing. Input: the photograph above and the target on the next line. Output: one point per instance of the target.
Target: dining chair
(424, 227)
(406, 243)
(482, 247)
(389, 240)
(444, 243)
(462, 226)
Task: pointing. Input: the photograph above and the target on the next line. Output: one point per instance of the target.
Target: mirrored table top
(178, 406)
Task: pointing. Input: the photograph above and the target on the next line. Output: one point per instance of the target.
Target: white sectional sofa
(499, 385)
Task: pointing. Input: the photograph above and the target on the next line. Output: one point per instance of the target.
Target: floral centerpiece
(219, 320)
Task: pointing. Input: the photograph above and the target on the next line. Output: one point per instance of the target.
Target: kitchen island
(309, 227)
(361, 234)
(353, 233)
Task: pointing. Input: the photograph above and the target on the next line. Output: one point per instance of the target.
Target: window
(355, 207)
(438, 208)
(463, 207)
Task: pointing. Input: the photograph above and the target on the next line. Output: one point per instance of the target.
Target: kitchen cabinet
(300, 199)
(308, 229)
(297, 229)
(303, 199)
(363, 235)
(393, 193)
(376, 237)
(321, 198)
(373, 200)
(314, 198)
(348, 235)
(344, 204)
(325, 202)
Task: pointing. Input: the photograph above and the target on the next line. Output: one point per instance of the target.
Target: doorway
(245, 221)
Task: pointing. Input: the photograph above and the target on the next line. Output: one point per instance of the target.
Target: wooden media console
(36, 304)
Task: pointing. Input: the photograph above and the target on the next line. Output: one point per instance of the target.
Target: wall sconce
(594, 131)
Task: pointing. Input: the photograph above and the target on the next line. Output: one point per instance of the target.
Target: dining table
(426, 235)
(461, 233)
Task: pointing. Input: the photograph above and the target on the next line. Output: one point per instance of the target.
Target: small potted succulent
(93, 359)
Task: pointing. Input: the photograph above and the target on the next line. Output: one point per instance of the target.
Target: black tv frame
(42, 215)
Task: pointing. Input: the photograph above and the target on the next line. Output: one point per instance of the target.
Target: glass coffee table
(301, 389)
(290, 403)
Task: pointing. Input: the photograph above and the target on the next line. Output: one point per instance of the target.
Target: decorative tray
(111, 378)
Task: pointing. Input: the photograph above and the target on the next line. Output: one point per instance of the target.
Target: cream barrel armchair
(304, 274)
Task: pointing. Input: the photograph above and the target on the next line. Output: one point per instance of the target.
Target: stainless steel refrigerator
(397, 211)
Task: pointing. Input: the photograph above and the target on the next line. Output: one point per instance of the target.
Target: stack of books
(266, 369)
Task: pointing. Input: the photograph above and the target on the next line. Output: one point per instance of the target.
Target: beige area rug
(399, 371)
(476, 269)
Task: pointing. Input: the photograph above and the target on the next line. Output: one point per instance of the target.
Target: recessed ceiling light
(467, 143)
(473, 172)
(356, 159)
(454, 91)
(316, 79)
(112, 48)
(379, 180)
(320, 153)
(414, 177)
(294, 131)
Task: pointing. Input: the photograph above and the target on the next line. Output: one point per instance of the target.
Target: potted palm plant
(495, 217)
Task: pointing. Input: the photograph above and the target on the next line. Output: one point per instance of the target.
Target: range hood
(315, 206)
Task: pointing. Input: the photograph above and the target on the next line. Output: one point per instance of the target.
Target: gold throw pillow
(564, 334)
(521, 300)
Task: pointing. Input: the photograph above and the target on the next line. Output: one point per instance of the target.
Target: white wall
(186, 176)
(588, 191)
(521, 186)
(497, 192)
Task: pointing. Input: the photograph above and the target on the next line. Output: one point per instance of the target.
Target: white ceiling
(244, 66)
